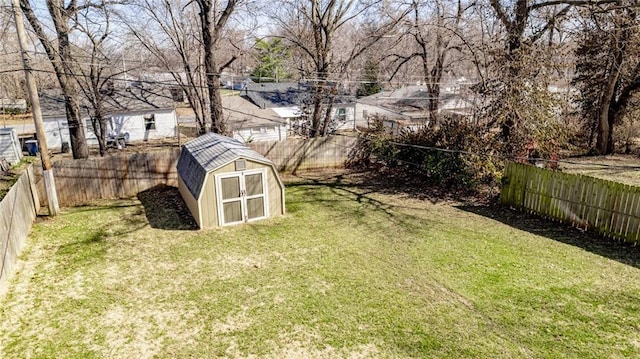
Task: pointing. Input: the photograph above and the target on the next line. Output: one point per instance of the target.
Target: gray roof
(240, 113)
(208, 153)
(120, 101)
(287, 94)
(413, 101)
(282, 94)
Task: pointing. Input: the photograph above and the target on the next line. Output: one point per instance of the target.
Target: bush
(453, 154)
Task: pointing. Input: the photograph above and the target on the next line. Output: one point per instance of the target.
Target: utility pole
(47, 171)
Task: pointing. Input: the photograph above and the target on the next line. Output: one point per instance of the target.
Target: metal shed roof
(208, 153)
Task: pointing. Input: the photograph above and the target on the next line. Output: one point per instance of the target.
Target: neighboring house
(291, 100)
(10, 148)
(136, 113)
(408, 107)
(250, 123)
(454, 104)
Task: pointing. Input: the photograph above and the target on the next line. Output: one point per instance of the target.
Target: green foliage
(270, 55)
(12, 111)
(626, 134)
(370, 84)
(607, 74)
(526, 115)
(590, 78)
(453, 154)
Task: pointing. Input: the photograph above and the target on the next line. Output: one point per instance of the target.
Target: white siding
(350, 115)
(261, 134)
(10, 146)
(56, 131)
(134, 124)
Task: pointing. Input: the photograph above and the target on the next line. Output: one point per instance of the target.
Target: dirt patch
(134, 147)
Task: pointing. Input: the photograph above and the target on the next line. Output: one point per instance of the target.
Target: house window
(342, 114)
(149, 122)
(88, 125)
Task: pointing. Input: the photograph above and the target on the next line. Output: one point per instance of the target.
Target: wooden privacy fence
(297, 154)
(17, 212)
(116, 176)
(125, 175)
(611, 208)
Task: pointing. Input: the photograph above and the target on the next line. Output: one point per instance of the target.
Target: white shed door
(242, 197)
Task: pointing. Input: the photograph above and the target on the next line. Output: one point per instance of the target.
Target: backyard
(353, 270)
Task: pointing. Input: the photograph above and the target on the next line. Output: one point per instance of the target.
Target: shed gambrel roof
(208, 153)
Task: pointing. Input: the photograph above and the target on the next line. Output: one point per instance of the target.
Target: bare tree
(214, 16)
(171, 35)
(608, 69)
(433, 35)
(96, 73)
(193, 32)
(520, 102)
(59, 51)
(313, 26)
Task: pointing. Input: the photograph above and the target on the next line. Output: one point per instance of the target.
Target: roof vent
(241, 165)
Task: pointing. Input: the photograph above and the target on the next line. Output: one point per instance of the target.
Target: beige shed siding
(208, 202)
(275, 196)
(191, 202)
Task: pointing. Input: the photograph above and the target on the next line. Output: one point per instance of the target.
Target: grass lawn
(348, 272)
(618, 168)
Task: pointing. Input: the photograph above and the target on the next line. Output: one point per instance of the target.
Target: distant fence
(18, 210)
(125, 175)
(611, 208)
(298, 154)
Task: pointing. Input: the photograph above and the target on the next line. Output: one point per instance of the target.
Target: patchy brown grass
(353, 270)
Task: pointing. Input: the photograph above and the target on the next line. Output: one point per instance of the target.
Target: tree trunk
(604, 143)
(327, 116)
(211, 32)
(99, 128)
(76, 127)
(217, 120)
(316, 119)
(62, 61)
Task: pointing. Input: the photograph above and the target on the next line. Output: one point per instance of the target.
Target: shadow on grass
(89, 249)
(622, 252)
(360, 188)
(388, 182)
(165, 209)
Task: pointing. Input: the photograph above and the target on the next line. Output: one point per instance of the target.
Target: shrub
(454, 154)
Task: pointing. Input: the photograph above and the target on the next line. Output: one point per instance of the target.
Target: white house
(136, 114)
(250, 123)
(290, 101)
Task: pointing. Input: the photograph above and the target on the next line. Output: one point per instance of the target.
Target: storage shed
(223, 182)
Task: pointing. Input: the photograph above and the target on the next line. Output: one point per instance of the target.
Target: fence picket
(611, 208)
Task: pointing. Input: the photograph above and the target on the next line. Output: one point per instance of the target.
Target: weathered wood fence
(298, 154)
(18, 210)
(611, 208)
(114, 176)
(125, 175)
